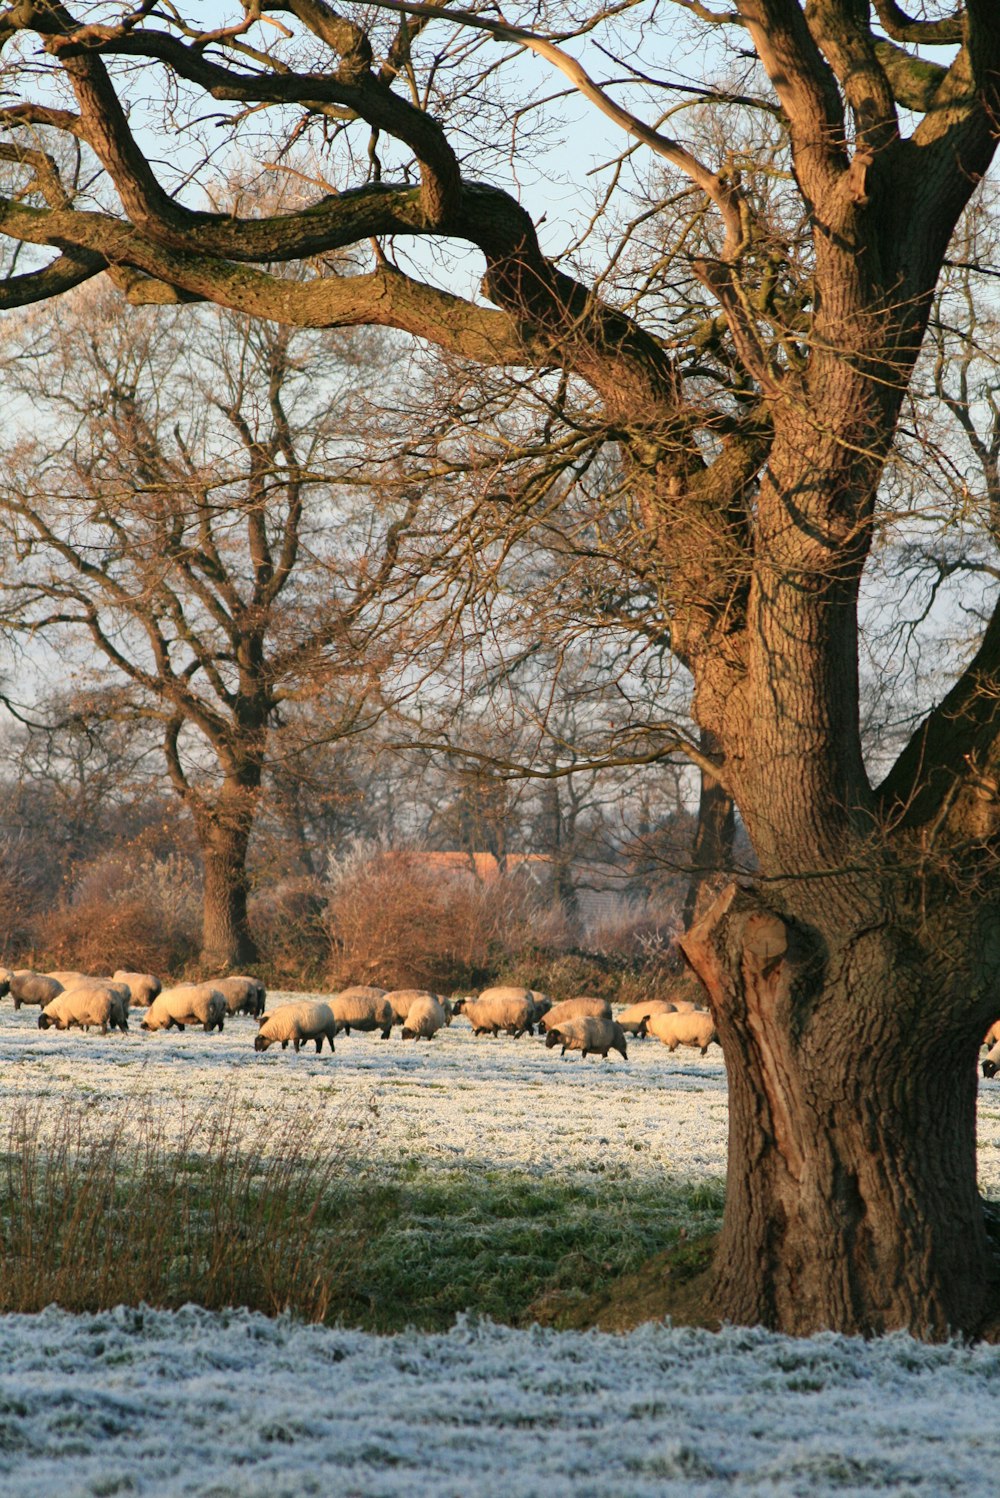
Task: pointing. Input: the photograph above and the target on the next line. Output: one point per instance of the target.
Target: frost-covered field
(195, 1403)
(192, 1403)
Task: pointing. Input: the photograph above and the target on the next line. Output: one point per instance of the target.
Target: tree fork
(851, 1196)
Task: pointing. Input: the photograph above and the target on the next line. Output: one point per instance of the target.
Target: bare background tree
(198, 512)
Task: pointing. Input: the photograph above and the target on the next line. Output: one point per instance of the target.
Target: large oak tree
(853, 983)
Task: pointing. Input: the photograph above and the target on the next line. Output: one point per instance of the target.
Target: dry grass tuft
(226, 1216)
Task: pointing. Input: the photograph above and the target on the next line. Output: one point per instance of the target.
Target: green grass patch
(288, 1219)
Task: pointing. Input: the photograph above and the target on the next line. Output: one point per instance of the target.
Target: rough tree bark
(712, 845)
(224, 837)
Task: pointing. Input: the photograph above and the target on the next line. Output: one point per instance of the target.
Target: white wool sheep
(243, 995)
(143, 987)
(189, 1004)
(28, 987)
(991, 1063)
(296, 1022)
(541, 1004)
(398, 999)
(588, 1032)
(425, 1017)
(78, 980)
(696, 1028)
(634, 1019)
(361, 1009)
(82, 1007)
(510, 1009)
(574, 1009)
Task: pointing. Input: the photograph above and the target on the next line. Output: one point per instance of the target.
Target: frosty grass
(192, 1402)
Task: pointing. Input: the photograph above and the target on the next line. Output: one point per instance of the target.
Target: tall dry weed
(107, 1207)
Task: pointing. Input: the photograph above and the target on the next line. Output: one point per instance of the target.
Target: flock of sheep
(70, 1000)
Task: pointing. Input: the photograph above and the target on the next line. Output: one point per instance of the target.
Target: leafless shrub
(405, 920)
(288, 921)
(141, 912)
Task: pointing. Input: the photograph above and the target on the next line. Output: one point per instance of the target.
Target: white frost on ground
(456, 1101)
(236, 1406)
(154, 1403)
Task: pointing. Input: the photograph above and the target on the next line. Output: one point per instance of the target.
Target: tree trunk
(712, 850)
(226, 939)
(851, 1195)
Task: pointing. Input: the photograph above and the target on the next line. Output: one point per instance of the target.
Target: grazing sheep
(243, 995)
(363, 1009)
(635, 1018)
(694, 1029)
(574, 1009)
(296, 1022)
(5, 979)
(27, 987)
(992, 1035)
(991, 1063)
(78, 980)
(541, 1004)
(190, 1004)
(426, 1016)
(82, 1007)
(143, 987)
(496, 1009)
(588, 1032)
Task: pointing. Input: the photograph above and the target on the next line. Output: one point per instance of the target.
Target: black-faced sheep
(190, 1004)
(27, 987)
(574, 1009)
(992, 1035)
(695, 1029)
(496, 1009)
(425, 1017)
(82, 1007)
(296, 1022)
(143, 987)
(588, 1033)
(6, 975)
(991, 1063)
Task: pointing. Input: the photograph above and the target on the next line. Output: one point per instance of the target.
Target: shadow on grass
(220, 1211)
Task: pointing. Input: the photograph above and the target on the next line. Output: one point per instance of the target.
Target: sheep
(574, 1009)
(989, 1039)
(143, 987)
(541, 1004)
(588, 1032)
(696, 1028)
(78, 980)
(243, 995)
(190, 1004)
(426, 1016)
(5, 980)
(363, 1009)
(991, 1063)
(82, 1006)
(400, 1001)
(510, 1009)
(296, 1022)
(635, 1018)
(27, 987)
